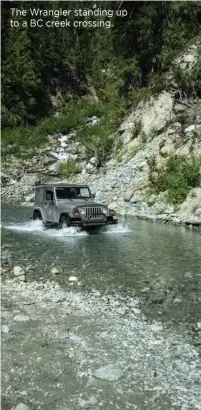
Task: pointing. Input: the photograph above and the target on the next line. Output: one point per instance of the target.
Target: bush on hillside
(68, 169)
(177, 177)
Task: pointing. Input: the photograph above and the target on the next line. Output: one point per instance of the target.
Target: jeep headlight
(82, 211)
(104, 210)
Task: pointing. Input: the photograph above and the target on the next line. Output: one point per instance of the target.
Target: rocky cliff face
(169, 123)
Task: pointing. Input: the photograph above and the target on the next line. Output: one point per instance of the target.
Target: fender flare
(63, 213)
(41, 212)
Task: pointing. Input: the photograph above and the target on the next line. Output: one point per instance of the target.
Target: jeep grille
(93, 210)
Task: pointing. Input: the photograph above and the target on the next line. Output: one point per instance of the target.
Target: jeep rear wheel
(64, 222)
(37, 216)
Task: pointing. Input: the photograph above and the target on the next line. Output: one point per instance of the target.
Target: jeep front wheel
(64, 222)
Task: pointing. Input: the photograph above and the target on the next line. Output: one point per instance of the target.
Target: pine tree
(20, 78)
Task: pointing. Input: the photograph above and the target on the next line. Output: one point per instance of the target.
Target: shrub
(98, 139)
(161, 144)
(153, 133)
(197, 136)
(68, 169)
(119, 156)
(157, 83)
(177, 177)
(183, 78)
(137, 95)
(137, 129)
(144, 137)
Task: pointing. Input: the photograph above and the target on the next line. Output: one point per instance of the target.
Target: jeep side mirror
(93, 196)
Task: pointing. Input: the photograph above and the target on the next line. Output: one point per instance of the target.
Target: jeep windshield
(72, 193)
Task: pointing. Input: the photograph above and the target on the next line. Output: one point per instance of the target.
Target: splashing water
(120, 228)
(36, 227)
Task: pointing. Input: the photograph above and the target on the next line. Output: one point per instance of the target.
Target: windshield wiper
(64, 199)
(83, 197)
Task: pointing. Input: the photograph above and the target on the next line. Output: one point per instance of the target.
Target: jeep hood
(62, 204)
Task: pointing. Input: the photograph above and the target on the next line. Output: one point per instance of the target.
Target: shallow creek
(122, 335)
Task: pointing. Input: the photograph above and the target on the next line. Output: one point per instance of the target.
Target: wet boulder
(18, 271)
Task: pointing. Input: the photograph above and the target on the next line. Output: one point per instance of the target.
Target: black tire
(64, 222)
(37, 216)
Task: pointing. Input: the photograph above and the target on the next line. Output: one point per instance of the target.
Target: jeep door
(49, 206)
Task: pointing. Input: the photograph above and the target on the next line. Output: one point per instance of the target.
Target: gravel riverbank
(65, 349)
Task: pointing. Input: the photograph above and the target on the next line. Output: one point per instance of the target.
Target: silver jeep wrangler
(65, 205)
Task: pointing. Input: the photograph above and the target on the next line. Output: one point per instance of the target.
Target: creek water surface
(150, 274)
(134, 256)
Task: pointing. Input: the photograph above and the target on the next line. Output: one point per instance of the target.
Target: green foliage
(120, 155)
(183, 78)
(29, 137)
(189, 80)
(143, 137)
(128, 72)
(21, 83)
(137, 129)
(153, 133)
(140, 94)
(177, 177)
(161, 144)
(68, 169)
(197, 135)
(152, 169)
(157, 83)
(98, 140)
(124, 65)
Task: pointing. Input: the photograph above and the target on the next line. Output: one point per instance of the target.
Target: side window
(48, 195)
(39, 196)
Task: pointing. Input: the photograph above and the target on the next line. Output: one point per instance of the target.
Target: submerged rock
(158, 297)
(18, 271)
(22, 278)
(86, 403)
(55, 271)
(156, 327)
(199, 325)
(110, 372)
(73, 279)
(22, 318)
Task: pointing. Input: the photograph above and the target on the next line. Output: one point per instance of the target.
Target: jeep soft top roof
(57, 184)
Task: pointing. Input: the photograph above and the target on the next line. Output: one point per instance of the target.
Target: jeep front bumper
(110, 220)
